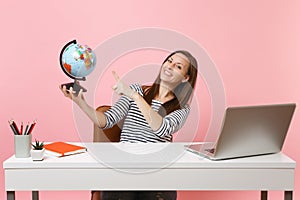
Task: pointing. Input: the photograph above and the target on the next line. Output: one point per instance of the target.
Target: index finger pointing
(116, 75)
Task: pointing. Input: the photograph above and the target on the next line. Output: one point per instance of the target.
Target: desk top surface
(154, 155)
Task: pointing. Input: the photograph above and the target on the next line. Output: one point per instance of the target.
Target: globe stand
(75, 85)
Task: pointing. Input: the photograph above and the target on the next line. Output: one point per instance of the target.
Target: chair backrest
(106, 135)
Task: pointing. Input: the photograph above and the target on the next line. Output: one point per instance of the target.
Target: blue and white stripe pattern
(136, 128)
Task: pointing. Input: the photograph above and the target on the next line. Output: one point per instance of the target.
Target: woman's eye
(179, 67)
(169, 61)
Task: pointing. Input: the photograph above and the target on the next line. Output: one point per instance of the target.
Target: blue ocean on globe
(79, 60)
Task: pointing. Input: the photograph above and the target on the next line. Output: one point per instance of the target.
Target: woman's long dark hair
(183, 92)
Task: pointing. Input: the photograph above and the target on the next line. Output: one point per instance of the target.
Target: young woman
(151, 113)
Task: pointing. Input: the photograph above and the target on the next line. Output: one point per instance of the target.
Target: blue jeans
(138, 195)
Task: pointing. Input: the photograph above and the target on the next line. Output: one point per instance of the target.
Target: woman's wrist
(82, 104)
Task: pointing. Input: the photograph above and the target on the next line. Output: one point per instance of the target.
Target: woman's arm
(152, 117)
(162, 126)
(97, 117)
(173, 121)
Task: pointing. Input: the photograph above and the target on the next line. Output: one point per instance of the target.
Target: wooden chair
(107, 135)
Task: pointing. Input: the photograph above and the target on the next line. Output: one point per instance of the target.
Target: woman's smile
(167, 73)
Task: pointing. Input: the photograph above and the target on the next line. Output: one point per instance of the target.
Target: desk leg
(10, 195)
(35, 195)
(288, 195)
(264, 195)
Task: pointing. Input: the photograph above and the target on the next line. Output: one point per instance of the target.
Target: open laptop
(249, 131)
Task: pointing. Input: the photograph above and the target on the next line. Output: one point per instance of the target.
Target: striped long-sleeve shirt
(135, 127)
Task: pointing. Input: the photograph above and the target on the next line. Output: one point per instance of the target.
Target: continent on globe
(68, 67)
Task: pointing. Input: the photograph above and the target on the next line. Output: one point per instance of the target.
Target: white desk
(188, 172)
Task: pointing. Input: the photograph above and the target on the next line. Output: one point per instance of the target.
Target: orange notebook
(63, 149)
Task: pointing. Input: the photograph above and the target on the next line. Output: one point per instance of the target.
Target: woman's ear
(186, 79)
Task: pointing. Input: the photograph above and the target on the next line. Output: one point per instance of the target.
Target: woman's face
(174, 70)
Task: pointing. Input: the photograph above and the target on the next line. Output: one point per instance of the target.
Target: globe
(78, 60)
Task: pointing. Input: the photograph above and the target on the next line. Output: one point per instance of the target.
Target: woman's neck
(165, 94)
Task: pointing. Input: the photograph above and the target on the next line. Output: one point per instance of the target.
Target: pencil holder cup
(22, 146)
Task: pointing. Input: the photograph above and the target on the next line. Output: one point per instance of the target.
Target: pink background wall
(255, 45)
